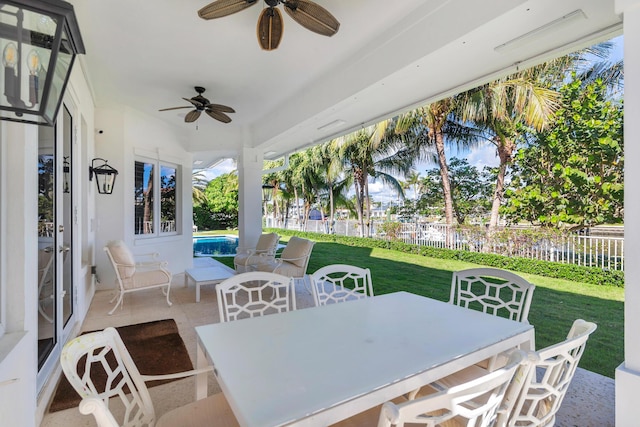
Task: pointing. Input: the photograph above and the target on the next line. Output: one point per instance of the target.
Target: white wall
(128, 133)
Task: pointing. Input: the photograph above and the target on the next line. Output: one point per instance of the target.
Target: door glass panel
(67, 206)
(46, 243)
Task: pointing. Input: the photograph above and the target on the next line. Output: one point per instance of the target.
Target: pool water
(215, 246)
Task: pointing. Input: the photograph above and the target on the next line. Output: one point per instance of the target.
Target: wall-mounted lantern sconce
(105, 176)
(66, 170)
(39, 40)
(267, 192)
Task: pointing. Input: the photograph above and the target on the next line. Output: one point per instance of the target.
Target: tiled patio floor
(589, 403)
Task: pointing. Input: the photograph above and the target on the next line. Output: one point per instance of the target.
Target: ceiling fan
(201, 104)
(305, 12)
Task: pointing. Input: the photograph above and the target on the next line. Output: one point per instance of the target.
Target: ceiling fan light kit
(270, 27)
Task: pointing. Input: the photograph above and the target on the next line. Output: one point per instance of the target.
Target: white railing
(593, 251)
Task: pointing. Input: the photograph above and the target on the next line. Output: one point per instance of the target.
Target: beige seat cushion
(286, 268)
(144, 279)
(122, 255)
(299, 249)
(267, 242)
(212, 411)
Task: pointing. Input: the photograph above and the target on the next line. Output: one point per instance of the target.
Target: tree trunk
(331, 210)
(446, 187)
(506, 147)
(368, 207)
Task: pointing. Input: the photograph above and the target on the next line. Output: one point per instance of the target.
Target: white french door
(56, 225)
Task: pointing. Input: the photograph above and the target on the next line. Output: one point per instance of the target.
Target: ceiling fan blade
(219, 107)
(270, 28)
(312, 16)
(195, 103)
(220, 8)
(218, 116)
(175, 108)
(192, 116)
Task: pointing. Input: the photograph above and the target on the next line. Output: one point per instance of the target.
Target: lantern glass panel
(26, 42)
(61, 70)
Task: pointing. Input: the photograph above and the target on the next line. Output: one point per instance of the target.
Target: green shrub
(575, 273)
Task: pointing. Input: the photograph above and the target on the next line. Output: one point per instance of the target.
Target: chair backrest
(340, 282)
(298, 251)
(546, 384)
(45, 261)
(121, 258)
(99, 366)
(254, 294)
(493, 291)
(474, 403)
(267, 243)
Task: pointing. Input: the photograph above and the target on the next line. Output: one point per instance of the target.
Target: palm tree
(198, 184)
(427, 129)
(330, 168)
(412, 181)
(507, 106)
(371, 152)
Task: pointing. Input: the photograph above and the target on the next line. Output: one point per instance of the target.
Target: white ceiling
(386, 58)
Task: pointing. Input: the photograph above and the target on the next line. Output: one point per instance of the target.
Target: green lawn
(556, 303)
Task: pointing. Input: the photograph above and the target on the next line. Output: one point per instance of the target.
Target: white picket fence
(604, 252)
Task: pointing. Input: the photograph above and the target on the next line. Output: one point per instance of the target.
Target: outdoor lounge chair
(340, 282)
(135, 276)
(264, 252)
(293, 260)
(45, 283)
(100, 368)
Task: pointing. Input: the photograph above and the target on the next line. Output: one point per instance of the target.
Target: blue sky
(484, 155)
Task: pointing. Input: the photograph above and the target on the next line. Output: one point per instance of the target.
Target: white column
(628, 373)
(19, 217)
(249, 196)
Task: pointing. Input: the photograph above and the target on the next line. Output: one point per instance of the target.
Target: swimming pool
(215, 246)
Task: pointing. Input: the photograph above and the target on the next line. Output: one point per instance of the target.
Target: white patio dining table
(316, 366)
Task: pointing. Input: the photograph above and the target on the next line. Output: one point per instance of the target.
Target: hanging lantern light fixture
(105, 176)
(39, 40)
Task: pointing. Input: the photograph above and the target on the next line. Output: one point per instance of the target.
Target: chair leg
(115, 296)
(168, 302)
(307, 284)
(120, 302)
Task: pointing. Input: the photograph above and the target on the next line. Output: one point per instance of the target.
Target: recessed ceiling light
(546, 28)
(332, 124)
(198, 162)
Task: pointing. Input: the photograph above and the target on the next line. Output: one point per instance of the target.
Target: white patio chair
(292, 262)
(101, 370)
(340, 282)
(135, 276)
(45, 283)
(254, 294)
(492, 291)
(264, 251)
(470, 404)
(536, 401)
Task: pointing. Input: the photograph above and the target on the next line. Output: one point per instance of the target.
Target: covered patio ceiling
(387, 57)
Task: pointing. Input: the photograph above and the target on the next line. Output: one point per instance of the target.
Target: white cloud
(220, 169)
(482, 156)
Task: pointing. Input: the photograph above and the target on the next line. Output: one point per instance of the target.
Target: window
(155, 198)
